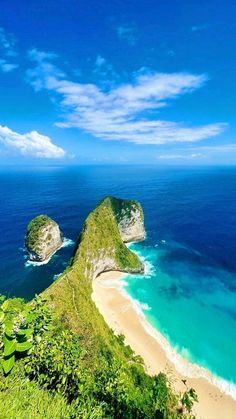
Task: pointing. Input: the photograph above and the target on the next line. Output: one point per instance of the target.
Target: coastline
(65, 243)
(124, 316)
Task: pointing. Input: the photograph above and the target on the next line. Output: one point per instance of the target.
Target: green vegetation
(100, 239)
(75, 367)
(121, 206)
(58, 377)
(33, 231)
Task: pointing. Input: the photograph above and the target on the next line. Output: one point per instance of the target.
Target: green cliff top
(101, 238)
(122, 206)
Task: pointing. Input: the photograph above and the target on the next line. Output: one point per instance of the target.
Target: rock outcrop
(43, 238)
(130, 219)
(101, 245)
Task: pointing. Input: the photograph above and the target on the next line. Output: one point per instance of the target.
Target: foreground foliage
(56, 377)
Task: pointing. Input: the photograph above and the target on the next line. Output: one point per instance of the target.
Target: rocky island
(43, 238)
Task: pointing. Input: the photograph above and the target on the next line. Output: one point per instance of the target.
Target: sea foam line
(181, 364)
(66, 243)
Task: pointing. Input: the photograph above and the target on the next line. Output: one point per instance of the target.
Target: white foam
(117, 283)
(178, 357)
(129, 244)
(149, 268)
(66, 242)
(56, 276)
(185, 367)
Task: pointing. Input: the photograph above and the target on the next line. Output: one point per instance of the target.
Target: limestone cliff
(43, 238)
(101, 245)
(129, 216)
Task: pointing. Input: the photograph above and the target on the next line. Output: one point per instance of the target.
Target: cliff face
(43, 238)
(129, 216)
(101, 244)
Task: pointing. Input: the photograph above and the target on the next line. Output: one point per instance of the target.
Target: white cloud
(128, 33)
(104, 69)
(36, 55)
(43, 68)
(30, 144)
(7, 67)
(100, 61)
(200, 152)
(180, 156)
(7, 44)
(127, 112)
(221, 148)
(200, 28)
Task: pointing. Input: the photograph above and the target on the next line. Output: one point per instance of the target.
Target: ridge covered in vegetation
(100, 246)
(74, 365)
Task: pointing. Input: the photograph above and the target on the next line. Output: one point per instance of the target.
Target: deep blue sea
(190, 219)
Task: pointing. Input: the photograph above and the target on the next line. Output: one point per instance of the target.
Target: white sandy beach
(121, 314)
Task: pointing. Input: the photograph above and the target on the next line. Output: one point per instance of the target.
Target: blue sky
(117, 82)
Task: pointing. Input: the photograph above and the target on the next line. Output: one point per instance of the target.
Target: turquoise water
(193, 317)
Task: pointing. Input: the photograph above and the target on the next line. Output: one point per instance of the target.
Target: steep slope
(101, 246)
(129, 216)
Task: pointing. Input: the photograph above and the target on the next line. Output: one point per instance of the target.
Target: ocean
(189, 290)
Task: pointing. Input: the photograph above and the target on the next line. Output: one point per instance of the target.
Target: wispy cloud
(200, 152)
(104, 69)
(180, 156)
(7, 51)
(221, 148)
(126, 112)
(36, 55)
(44, 68)
(7, 67)
(30, 144)
(7, 43)
(198, 28)
(128, 33)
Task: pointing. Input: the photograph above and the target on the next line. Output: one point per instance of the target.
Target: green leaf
(5, 305)
(29, 317)
(29, 332)
(38, 338)
(25, 333)
(9, 345)
(21, 332)
(9, 328)
(24, 346)
(8, 363)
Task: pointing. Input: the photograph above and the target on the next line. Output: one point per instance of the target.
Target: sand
(121, 314)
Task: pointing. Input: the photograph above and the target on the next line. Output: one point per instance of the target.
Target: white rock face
(131, 225)
(105, 264)
(49, 241)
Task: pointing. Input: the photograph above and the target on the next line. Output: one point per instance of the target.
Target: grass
(21, 398)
